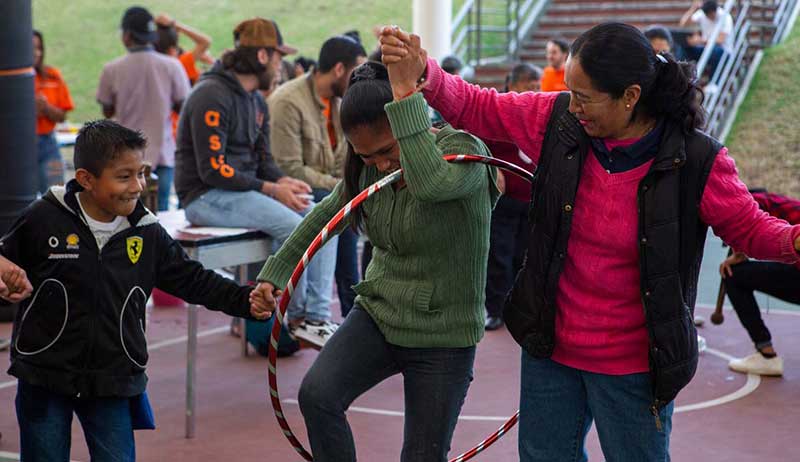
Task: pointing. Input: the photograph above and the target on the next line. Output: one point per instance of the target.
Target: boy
(93, 253)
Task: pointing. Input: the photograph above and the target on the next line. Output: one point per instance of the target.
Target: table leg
(242, 323)
(191, 373)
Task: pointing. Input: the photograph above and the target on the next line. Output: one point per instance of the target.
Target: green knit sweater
(425, 284)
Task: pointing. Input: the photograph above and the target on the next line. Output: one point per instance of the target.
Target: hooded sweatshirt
(223, 138)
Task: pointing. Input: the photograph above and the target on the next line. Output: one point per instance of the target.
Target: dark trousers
(693, 53)
(776, 279)
(355, 359)
(507, 244)
(45, 426)
(346, 262)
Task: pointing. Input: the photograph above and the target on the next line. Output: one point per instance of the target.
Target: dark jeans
(165, 176)
(776, 279)
(45, 426)
(507, 244)
(346, 262)
(355, 359)
(693, 53)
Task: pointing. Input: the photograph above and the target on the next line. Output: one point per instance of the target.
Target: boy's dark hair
(353, 34)
(709, 7)
(339, 49)
(167, 37)
(561, 43)
(523, 72)
(658, 32)
(101, 141)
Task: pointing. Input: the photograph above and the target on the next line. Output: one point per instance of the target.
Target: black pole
(18, 161)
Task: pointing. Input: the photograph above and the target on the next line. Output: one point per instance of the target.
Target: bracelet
(421, 84)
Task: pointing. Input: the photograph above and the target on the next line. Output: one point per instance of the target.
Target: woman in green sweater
(419, 309)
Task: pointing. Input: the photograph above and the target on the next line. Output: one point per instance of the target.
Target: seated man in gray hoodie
(225, 174)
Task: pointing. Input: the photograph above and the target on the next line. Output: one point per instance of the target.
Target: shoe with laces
(314, 332)
(756, 363)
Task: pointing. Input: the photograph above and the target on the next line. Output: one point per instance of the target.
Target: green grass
(765, 140)
(82, 35)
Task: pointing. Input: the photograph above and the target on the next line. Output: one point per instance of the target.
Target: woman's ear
(632, 95)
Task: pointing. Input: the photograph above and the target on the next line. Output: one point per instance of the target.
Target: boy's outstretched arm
(183, 277)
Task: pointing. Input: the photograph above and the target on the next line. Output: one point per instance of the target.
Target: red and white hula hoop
(316, 244)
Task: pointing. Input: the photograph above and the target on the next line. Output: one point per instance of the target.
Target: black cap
(139, 22)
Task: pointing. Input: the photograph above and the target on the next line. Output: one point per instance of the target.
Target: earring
(628, 106)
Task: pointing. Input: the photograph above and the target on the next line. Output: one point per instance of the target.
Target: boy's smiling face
(115, 192)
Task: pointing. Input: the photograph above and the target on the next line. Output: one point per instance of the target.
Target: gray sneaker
(5, 343)
(314, 332)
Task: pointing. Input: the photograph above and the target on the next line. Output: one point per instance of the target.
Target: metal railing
(492, 30)
(757, 24)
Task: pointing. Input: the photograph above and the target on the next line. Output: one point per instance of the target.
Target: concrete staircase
(569, 18)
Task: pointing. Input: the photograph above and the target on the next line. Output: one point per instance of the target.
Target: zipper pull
(654, 411)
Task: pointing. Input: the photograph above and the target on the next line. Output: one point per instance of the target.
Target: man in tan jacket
(307, 140)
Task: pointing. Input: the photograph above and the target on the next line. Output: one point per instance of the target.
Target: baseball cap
(139, 22)
(260, 32)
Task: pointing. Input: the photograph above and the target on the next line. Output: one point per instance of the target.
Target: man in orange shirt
(53, 101)
(553, 75)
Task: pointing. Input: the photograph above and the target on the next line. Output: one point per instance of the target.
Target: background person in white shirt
(706, 15)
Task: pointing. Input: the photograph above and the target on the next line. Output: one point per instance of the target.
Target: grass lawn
(765, 140)
(82, 35)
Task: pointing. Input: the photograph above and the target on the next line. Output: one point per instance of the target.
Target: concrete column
(432, 20)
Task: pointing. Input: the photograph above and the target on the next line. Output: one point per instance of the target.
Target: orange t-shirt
(52, 87)
(331, 130)
(553, 80)
(187, 60)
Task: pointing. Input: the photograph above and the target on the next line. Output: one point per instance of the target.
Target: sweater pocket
(400, 296)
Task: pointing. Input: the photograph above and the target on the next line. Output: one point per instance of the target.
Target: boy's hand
(263, 300)
(14, 284)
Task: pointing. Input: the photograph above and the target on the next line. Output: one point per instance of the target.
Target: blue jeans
(45, 426)
(51, 164)
(251, 209)
(346, 262)
(559, 403)
(165, 176)
(355, 359)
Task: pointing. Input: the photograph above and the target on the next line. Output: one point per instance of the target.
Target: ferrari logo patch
(134, 246)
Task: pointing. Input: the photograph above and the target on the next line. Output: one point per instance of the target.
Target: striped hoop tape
(316, 244)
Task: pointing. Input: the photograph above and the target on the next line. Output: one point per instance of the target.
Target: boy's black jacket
(81, 333)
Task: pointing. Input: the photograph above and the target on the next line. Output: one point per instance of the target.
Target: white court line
(14, 455)
(763, 310)
(154, 346)
(370, 410)
(753, 381)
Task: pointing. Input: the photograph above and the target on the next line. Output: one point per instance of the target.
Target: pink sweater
(600, 324)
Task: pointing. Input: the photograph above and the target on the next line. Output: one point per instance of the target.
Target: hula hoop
(316, 244)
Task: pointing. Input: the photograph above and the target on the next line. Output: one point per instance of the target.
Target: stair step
(601, 18)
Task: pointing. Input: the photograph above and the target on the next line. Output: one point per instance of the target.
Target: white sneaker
(701, 344)
(699, 320)
(314, 332)
(5, 343)
(756, 363)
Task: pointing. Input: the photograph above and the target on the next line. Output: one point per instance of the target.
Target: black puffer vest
(671, 238)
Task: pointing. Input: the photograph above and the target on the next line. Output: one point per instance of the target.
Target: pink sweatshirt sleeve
(729, 208)
(519, 118)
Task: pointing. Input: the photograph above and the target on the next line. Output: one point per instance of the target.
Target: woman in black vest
(625, 190)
